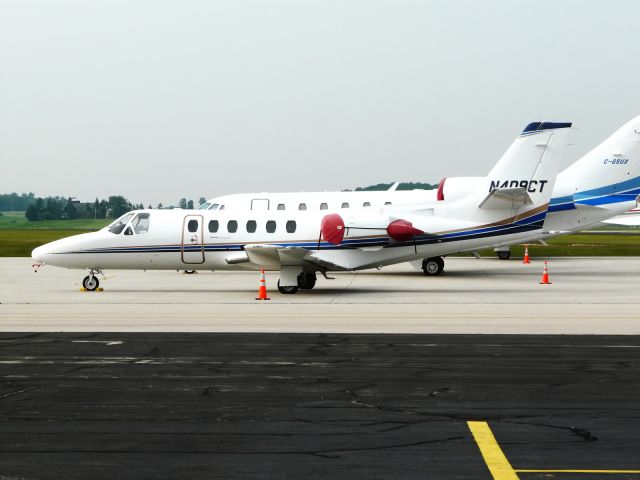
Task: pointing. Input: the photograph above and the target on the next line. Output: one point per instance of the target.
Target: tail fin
(609, 175)
(526, 173)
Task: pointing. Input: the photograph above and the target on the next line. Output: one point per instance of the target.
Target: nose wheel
(90, 283)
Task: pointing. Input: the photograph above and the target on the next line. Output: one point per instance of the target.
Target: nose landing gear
(91, 282)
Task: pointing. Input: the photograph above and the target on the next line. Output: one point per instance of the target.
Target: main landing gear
(503, 253)
(306, 281)
(91, 282)
(289, 290)
(433, 265)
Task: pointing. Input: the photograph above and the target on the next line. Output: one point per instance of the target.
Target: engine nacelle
(332, 228)
(402, 230)
(455, 188)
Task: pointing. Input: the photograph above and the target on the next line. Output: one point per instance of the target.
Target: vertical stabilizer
(609, 175)
(532, 162)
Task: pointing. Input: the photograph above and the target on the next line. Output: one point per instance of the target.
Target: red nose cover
(402, 230)
(332, 228)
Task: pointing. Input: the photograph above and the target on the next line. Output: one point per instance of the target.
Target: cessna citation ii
(599, 188)
(512, 203)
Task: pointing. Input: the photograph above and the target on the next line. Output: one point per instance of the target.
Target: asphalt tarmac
(232, 405)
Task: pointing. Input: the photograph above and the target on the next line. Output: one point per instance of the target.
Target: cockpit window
(117, 226)
(141, 223)
(204, 206)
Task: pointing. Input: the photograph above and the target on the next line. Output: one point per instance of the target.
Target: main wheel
(287, 290)
(307, 280)
(433, 265)
(504, 254)
(90, 282)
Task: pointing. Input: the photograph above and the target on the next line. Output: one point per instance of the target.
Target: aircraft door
(192, 239)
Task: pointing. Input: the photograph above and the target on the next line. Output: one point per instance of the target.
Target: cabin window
(117, 226)
(192, 226)
(366, 204)
(213, 226)
(387, 203)
(345, 204)
(232, 226)
(302, 206)
(323, 206)
(281, 206)
(251, 226)
(291, 226)
(271, 226)
(141, 223)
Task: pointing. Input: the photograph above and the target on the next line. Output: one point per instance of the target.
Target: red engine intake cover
(332, 228)
(440, 192)
(402, 230)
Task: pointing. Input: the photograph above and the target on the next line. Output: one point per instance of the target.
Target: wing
(276, 256)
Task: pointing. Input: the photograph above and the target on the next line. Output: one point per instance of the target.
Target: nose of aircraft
(39, 254)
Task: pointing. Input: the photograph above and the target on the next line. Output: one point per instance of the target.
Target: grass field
(581, 245)
(20, 242)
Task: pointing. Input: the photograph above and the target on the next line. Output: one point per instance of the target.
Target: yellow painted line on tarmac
(603, 472)
(496, 461)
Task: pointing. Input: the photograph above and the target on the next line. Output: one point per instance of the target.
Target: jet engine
(333, 228)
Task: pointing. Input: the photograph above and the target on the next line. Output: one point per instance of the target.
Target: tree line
(60, 208)
(14, 202)
(63, 208)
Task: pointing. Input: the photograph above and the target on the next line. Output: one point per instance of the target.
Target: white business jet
(600, 187)
(512, 203)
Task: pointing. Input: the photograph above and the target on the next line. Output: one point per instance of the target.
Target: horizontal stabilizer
(506, 199)
(588, 208)
(626, 219)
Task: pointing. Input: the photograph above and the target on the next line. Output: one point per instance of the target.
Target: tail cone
(545, 275)
(262, 289)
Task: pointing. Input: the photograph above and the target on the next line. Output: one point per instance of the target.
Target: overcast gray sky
(157, 100)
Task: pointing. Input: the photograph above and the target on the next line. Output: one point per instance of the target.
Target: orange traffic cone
(526, 258)
(545, 275)
(262, 289)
